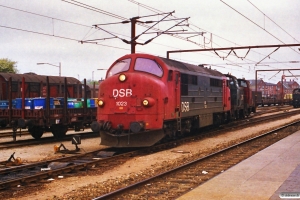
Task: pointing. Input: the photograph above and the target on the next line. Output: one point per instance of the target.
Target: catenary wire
(157, 11)
(256, 24)
(273, 21)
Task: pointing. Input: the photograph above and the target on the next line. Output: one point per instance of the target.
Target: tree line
(8, 66)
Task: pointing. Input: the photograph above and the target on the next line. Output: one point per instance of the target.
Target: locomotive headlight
(148, 102)
(145, 102)
(122, 77)
(101, 103)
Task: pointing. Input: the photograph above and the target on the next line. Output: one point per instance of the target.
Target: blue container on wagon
(40, 103)
(3, 104)
(14, 103)
(74, 103)
(91, 103)
(70, 102)
(28, 103)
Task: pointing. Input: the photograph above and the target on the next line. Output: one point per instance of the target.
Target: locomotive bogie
(142, 139)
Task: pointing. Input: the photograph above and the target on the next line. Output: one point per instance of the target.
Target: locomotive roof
(34, 78)
(192, 68)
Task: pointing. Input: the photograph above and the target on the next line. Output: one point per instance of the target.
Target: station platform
(273, 173)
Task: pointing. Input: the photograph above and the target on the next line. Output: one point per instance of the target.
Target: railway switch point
(12, 161)
(76, 140)
(57, 149)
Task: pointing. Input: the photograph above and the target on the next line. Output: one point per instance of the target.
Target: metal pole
(102, 69)
(255, 98)
(232, 48)
(133, 43)
(59, 66)
(59, 69)
(282, 89)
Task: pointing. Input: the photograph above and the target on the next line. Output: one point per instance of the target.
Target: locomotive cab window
(242, 83)
(149, 66)
(296, 91)
(119, 66)
(233, 83)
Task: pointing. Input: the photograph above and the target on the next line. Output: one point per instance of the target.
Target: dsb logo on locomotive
(185, 106)
(122, 93)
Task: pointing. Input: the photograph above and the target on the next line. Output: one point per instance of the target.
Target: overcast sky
(44, 31)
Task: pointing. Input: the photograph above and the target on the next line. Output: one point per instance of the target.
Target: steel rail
(143, 182)
(99, 162)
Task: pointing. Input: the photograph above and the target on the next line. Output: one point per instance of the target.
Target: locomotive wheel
(247, 114)
(59, 131)
(36, 131)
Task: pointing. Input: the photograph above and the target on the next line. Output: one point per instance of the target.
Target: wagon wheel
(59, 131)
(36, 131)
(236, 114)
(242, 114)
(3, 124)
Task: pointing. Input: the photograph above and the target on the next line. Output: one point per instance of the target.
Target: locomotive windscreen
(149, 66)
(296, 91)
(119, 66)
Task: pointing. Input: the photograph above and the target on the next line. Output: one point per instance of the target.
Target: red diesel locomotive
(146, 98)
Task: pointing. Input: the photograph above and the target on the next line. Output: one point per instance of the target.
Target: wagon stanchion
(10, 100)
(65, 118)
(85, 102)
(14, 129)
(14, 134)
(48, 102)
(23, 98)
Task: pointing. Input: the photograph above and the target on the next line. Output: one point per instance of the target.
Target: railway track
(34, 173)
(271, 109)
(45, 140)
(8, 133)
(178, 180)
